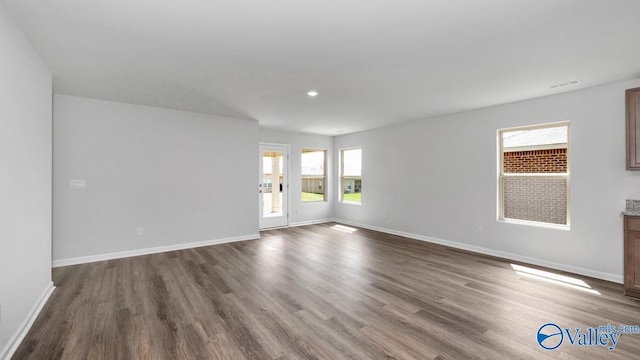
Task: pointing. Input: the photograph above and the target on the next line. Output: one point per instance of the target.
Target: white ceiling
(374, 62)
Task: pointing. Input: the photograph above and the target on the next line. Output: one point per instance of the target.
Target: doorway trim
(285, 186)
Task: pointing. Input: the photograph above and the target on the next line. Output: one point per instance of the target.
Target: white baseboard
(147, 251)
(502, 254)
(311, 222)
(24, 328)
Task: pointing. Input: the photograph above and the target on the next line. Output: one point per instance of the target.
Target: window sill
(350, 202)
(536, 224)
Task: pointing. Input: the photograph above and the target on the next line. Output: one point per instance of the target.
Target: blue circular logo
(550, 336)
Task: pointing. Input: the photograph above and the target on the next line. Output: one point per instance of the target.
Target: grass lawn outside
(352, 197)
(308, 197)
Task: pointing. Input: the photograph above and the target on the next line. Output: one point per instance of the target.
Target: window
(313, 175)
(534, 174)
(351, 175)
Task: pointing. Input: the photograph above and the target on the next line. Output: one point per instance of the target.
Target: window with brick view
(534, 174)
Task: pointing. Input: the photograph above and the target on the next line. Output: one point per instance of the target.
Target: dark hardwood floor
(320, 292)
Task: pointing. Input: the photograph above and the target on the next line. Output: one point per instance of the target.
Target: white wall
(182, 177)
(436, 179)
(310, 212)
(25, 182)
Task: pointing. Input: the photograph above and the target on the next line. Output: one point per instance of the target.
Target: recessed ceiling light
(568, 83)
(312, 93)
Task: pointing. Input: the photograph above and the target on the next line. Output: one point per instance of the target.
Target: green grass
(307, 197)
(352, 197)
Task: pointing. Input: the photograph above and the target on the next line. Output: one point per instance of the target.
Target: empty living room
(319, 179)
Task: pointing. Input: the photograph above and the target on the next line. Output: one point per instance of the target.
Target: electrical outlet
(139, 232)
(77, 184)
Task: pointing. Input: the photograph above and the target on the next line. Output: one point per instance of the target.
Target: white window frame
(502, 175)
(342, 178)
(324, 175)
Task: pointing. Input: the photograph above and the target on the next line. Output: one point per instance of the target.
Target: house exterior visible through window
(351, 175)
(534, 174)
(313, 175)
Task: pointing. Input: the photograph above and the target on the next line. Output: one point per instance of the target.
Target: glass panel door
(273, 186)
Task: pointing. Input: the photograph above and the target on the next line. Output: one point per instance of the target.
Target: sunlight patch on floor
(343, 228)
(553, 278)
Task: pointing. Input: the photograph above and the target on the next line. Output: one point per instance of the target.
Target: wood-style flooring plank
(318, 292)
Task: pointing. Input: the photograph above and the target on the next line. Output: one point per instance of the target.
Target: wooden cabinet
(633, 129)
(632, 256)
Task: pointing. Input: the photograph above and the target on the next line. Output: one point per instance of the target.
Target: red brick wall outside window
(536, 161)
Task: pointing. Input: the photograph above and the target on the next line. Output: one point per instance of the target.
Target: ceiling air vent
(570, 83)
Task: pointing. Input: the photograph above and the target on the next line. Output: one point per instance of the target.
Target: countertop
(633, 208)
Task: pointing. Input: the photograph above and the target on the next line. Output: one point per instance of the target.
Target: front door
(273, 186)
